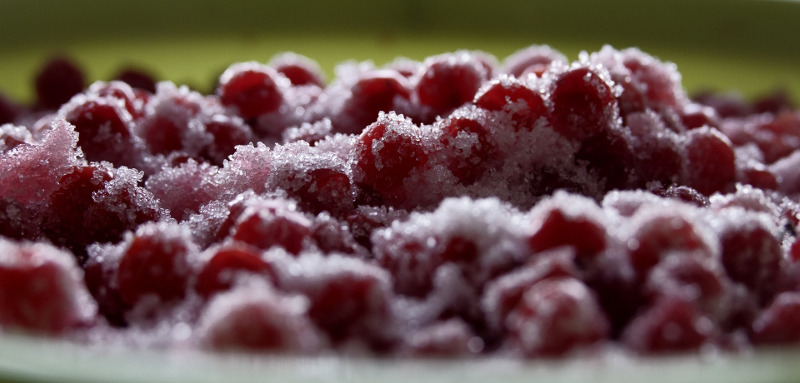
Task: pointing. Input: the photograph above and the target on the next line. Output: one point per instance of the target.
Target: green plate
(750, 47)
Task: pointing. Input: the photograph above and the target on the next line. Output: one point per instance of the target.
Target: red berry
(375, 92)
(556, 316)
(670, 325)
(57, 82)
(513, 96)
(137, 78)
(585, 235)
(753, 256)
(298, 69)
(711, 161)
(583, 104)
(535, 60)
(155, 264)
(221, 270)
(104, 129)
(252, 88)
(471, 147)
(449, 81)
(41, 289)
(385, 155)
(349, 297)
(254, 318)
(273, 224)
(658, 235)
(777, 324)
(96, 203)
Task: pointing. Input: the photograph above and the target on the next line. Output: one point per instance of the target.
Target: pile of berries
(457, 206)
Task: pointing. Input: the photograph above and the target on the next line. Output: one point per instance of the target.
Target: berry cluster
(456, 206)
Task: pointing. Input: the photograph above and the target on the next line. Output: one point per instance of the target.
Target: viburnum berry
(252, 88)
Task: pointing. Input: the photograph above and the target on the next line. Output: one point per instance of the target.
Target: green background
(729, 45)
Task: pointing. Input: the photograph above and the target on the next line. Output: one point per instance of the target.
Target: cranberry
(671, 325)
(583, 104)
(661, 234)
(155, 264)
(536, 60)
(752, 255)
(556, 316)
(298, 69)
(777, 324)
(524, 104)
(697, 278)
(252, 88)
(228, 132)
(695, 116)
(468, 162)
(273, 224)
(449, 81)
(104, 130)
(385, 155)
(584, 234)
(349, 298)
(94, 204)
(57, 82)
(137, 78)
(711, 161)
(378, 91)
(502, 294)
(321, 189)
(220, 271)
(253, 318)
(134, 103)
(41, 289)
(444, 339)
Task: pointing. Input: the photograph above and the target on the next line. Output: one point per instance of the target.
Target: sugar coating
(458, 206)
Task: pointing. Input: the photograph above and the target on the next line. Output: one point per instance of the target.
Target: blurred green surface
(731, 45)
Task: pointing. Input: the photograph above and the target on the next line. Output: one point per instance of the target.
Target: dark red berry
(711, 161)
(777, 324)
(670, 325)
(252, 88)
(220, 272)
(155, 264)
(583, 104)
(385, 155)
(273, 224)
(57, 82)
(137, 78)
(556, 316)
(524, 104)
(449, 81)
(378, 91)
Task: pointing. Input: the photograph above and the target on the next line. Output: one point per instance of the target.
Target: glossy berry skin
(385, 155)
(449, 81)
(711, 161)
(252, 88)
(583, 104)
(378, 91)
